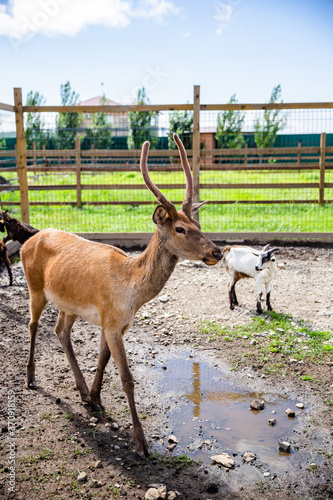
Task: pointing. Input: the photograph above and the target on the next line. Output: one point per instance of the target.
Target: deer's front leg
(116, 346)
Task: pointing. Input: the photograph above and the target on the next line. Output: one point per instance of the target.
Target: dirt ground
(54, 436)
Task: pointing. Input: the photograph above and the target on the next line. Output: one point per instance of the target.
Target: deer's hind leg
(37, 304)
(103, 358)
(63, 330)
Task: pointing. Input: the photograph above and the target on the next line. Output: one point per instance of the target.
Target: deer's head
(181, 234)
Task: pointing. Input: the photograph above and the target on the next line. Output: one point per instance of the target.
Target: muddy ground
(56, 440)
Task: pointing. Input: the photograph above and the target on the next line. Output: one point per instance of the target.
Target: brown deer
(106, 287)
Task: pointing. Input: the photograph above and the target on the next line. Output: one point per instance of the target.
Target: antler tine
(149, 183)
(187, 203)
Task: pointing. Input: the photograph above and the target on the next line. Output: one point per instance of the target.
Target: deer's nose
(217, 255)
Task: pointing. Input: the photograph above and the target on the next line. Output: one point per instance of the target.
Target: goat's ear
(160, 215)
(196, 206)
(256, 254)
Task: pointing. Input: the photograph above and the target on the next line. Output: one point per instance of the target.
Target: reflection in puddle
(216, 409)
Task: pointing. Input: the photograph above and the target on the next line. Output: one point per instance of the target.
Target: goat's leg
(37, 304)
(268, 296)
(232, 294)
(6, 261)
(63, 330)
(259, 295)
(116, 346)
(95, 391)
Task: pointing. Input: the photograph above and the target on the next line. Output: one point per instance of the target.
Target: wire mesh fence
(84, 176)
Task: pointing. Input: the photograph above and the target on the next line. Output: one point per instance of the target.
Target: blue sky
(242, 46)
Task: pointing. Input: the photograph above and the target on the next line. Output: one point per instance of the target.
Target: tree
(181, 123)
(100, 131)
(34, 126)
(67, 124)
(140, 124)
(229, 127)
(265, 131)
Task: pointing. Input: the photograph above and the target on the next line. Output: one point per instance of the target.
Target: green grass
(297, 340)
(234, 217)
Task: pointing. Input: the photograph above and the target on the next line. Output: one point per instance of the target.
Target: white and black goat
(246, 262)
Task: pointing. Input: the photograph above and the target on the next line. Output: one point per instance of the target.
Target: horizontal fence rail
(49, 161)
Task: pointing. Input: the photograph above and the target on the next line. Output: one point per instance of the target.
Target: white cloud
(24, 18)
(223, 14)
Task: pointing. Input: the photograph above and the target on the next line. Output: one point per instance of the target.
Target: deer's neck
(155, 266)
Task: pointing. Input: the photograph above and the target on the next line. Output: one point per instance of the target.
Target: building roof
(97, 101)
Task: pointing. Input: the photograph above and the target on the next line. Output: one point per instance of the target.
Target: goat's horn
(171, 209)
(265, 248)
(275, 249)
(187, 203)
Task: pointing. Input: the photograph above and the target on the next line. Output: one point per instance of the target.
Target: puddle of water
(213, 407)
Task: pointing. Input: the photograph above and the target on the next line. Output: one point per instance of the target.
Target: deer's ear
(196, 206)
(160, 215)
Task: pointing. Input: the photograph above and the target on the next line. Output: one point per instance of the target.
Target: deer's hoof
(31, 385)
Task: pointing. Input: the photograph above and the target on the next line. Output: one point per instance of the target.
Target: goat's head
(180, 233)
(265, 256)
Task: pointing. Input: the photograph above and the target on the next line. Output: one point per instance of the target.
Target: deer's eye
(180, 230)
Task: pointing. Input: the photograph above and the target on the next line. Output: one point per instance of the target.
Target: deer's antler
(171, 209)
(187, 203)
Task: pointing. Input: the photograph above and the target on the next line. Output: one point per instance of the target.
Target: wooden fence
(78, 161)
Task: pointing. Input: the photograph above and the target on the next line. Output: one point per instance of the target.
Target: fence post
(196, 147)
(322, 167)
(21, 155)
(78, 171)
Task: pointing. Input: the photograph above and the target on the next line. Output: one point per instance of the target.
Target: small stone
(152, 494)
(300, 406)
(123, 491)
(163, 298)
(223, 459)
(114, 426)
(280, 330)
(82, 477)
(271, 421)
(93, 420)
(162, 491)
(98, 464)
(284, 446)
(266, 474)
(249, 457)
(171, 447)
(290, 413)
(172, 495)
(253, 342)
(257, 405)
(172, 439)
